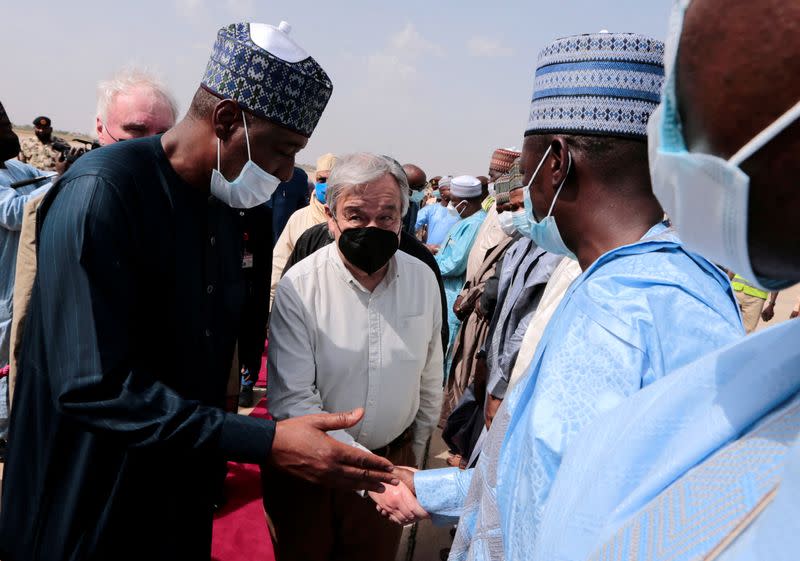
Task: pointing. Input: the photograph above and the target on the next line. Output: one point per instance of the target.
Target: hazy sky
(440, 83)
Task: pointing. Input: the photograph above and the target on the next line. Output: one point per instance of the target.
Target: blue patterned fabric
(637, 313)
(708, 505)
(624, 460)
(293, 95)
(603, 83)
(775, 533)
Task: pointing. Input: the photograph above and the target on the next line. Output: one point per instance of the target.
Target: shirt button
(208, 333)
(212, 241)
(210, 288)
(241, 213)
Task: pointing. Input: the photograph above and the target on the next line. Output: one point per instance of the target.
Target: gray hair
(362, 168)
(127, 79)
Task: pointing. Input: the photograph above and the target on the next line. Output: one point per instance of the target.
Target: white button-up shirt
(335, 346)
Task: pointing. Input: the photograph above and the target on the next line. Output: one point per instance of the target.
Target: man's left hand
(768, 312)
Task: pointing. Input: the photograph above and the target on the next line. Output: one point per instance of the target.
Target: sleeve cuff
(498, 387)
(246, 439)
(442, 492)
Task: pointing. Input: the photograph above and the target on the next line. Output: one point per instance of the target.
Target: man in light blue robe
(436, 217)
(642, 307)
(705, 463)
(465, 200)
(12, 204)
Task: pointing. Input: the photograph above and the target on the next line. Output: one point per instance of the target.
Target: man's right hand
(301, 448)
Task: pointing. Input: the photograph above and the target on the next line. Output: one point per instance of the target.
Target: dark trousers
(316, 523)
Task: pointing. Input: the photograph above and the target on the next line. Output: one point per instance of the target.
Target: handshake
(399, 503)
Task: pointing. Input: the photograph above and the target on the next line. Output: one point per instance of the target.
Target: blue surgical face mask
(417, 196)
(521, 222)
(706, 197)
(252, 187)
(545, 233)
(319, 190)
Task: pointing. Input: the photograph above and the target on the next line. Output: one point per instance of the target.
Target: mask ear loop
(218, 150)
(758, 142)
(246, 137)
(541, 163)
(558, 192)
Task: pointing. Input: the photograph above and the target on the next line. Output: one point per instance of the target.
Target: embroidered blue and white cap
(598, 84)
(263, 69)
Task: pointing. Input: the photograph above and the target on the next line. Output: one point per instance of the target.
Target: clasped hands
(399, 503)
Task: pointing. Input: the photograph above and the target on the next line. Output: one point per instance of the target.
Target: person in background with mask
(522, 276)
(643, 306)
(465, 204)
(432, 194)
(490, 233)
(375, 343)
(116, 448)
(436, 219)
(133, 104)
(301, 221)
(712, 451)
(12, 203)
(416, 183)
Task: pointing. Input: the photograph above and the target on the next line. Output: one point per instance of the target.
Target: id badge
(247, 260)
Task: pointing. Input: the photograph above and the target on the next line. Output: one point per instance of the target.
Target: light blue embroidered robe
(636, 314)
(625, 459)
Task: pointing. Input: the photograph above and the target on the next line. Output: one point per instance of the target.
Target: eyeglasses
(115, 139)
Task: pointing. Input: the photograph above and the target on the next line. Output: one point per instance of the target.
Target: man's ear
(560, 161)
(226, 118)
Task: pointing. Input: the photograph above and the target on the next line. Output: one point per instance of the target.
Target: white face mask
(251, 188)
(506, 220)
(454, 210)
(705, 196)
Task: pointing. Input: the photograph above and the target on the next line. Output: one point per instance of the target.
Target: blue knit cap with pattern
(604, 84)
(280, 83)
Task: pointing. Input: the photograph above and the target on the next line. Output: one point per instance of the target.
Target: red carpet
(262, 374)
(240, 527)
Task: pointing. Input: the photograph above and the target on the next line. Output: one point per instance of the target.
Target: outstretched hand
(301, 448)
(399, 504)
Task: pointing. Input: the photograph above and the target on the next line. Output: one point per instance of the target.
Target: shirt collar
(345, 275)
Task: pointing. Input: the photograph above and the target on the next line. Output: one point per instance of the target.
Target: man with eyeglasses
(133, 104)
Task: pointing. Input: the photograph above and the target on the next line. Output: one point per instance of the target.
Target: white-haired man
(355, 324)
(133, 104)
